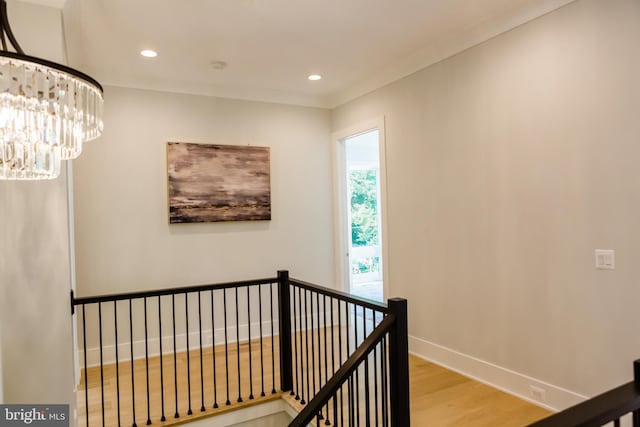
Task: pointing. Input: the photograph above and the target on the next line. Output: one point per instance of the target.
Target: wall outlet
(538, 393)
(605, 259)
(208, 339)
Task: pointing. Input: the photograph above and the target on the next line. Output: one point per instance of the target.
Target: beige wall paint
(123, 239)
(36, 345)
(35, 315)
(508, 164)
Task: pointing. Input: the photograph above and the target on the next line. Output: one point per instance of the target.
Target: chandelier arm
(4, 41)
(7, 29)
(2, 37)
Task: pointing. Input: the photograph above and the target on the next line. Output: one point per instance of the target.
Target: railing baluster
(226, 345)
(273, 347)
(351, 400)
(133, 385)
(295, 392)
(86, 372)
(175, 360)
(101, 361)
(262, 393)
(319, 352)
(385, 385)
(213, 352)
(375, 372)
(326, 362)
(186, 316)
(202, 408)
(333, 338)
(115, 328)
(249, 341)
(146, 360)
(313, 351)
(299, 320)
(162, 418)
(238, 344)
(367, 393)
(335, 409)
(306, 345)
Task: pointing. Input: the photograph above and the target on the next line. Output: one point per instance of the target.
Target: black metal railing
(359, 393)
(329, 329)
(610, 407)
(148, 356)
(174, 351)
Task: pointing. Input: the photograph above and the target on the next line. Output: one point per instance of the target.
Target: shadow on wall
(218, 227)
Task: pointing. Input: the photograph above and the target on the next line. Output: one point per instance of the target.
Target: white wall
(508, 164)
(123, 239)
(35, 315)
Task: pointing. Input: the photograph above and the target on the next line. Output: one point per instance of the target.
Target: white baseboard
(517, 384)
(124, 348)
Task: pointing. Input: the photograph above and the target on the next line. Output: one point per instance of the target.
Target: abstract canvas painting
(210, 183)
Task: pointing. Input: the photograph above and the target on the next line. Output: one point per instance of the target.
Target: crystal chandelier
(47, 110)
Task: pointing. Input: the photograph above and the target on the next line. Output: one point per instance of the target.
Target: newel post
(284, 323)
(399, 363)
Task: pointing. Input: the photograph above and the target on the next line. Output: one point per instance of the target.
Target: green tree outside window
(364, 207)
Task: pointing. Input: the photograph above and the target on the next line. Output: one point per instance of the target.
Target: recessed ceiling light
(147, 53)
(314, 77)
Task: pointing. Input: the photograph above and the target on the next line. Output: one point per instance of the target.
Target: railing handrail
(170, 291)
(360, 301)
(342, 375)
(371, 304)
(599, 410)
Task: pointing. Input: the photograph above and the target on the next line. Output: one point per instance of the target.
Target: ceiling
(271, 46)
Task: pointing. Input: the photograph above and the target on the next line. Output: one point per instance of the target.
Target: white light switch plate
(605, 259)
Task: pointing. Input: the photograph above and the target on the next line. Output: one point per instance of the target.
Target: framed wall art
(211, 183)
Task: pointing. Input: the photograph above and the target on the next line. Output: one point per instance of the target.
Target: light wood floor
(442, 398)
(439, 397)
(120, 410)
